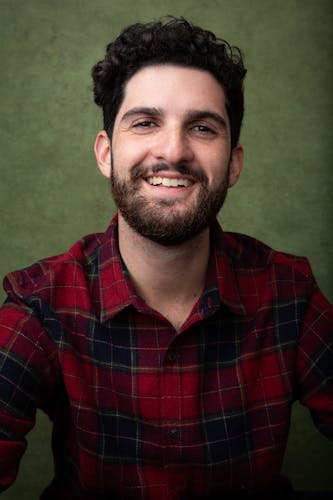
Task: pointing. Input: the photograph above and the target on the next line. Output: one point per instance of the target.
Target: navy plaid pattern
(143, 411)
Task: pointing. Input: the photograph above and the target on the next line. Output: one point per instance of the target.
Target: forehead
(173, 87)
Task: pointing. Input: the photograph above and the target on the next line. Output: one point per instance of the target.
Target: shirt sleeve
(315, 362)
(27, 362)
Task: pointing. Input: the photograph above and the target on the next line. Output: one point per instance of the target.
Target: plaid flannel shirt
(142, 411)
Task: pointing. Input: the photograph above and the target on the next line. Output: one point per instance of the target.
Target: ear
(236, 164)
(102, 150)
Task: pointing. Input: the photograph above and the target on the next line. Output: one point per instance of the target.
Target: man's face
(170, 153)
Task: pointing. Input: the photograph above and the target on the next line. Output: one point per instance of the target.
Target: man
(166, 352)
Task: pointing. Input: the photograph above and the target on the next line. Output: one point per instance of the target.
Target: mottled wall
(51, 192)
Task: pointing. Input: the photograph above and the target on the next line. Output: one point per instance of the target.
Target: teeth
(167, 182)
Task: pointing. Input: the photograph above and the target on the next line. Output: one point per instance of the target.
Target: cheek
(220, 179)
(216, 168)
(215, 155)
(127, 154)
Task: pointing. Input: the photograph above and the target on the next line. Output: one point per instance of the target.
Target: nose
(172, 146)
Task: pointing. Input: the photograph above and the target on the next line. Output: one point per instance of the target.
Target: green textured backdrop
(51, 192)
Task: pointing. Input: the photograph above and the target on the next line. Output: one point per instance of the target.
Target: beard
(160, 220)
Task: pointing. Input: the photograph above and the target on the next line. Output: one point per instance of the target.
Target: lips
(169, 182)
(162, 175)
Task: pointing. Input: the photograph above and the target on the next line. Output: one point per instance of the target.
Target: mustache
(140, 171)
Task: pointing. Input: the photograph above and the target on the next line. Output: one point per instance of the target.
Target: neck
(169, 279)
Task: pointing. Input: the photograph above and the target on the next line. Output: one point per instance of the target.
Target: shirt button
(173, 356)
(174, 433)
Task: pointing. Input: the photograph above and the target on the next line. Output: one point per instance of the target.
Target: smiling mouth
(169, 182)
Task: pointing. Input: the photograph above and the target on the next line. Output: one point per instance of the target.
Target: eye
(144, 124)
(203, 129)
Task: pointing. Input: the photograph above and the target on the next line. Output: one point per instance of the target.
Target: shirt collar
(116, 290)
(222, 270)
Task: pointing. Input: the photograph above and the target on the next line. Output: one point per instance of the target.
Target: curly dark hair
(175, 41)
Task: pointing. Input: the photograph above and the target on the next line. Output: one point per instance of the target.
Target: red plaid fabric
(145, 412)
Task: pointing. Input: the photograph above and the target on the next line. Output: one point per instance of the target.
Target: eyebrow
(205, 113)
(190, 116)
(141, 111)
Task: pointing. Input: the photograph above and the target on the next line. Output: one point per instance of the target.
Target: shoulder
(61, 270)
(266, 277)
(249, 253)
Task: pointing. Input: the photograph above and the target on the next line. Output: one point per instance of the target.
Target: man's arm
(27, 361)
(315, 362)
